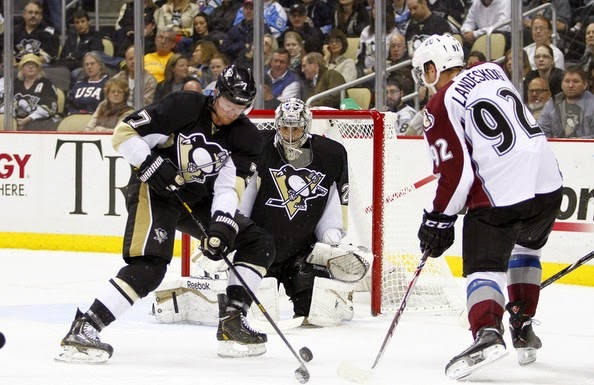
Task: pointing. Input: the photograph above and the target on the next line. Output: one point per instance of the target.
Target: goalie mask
(444, 51)
(292, 120)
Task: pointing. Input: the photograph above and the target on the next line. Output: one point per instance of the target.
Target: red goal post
(381, 214)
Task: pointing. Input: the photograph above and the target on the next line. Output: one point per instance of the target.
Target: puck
(2, 340)
(306, 354)
(302, 374)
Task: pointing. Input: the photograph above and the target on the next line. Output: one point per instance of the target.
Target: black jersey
(213, 160)
(297, 205)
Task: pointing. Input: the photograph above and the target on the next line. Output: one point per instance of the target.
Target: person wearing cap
(275, 16)
(240, 37)
(192, 156)
(35, 97)
(313, 38)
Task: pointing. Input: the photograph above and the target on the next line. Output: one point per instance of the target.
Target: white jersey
(486, 146)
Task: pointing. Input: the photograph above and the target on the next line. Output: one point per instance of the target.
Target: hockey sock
(115, 299)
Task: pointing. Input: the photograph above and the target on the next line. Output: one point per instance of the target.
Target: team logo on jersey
(296, 187)
(24, 105)
(199, 158)
(428, 120)
(160, 235)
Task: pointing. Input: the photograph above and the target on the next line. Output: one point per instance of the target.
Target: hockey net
(389, 185)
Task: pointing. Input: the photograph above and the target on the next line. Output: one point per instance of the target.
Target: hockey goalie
(300, 195)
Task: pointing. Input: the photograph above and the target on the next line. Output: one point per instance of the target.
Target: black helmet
(237, 85)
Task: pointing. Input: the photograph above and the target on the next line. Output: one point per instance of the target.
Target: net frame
(380, 128)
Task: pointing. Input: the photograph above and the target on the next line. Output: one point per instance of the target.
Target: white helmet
(444, 51)
(292, 113)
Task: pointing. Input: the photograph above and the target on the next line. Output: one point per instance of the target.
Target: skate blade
(465, 366)
(526, 356)
(80, 355)
(233, 349)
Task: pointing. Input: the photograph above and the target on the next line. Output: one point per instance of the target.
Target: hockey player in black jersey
(302, 199)
(204, 149)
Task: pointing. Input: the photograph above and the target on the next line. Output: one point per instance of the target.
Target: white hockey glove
(345, 263)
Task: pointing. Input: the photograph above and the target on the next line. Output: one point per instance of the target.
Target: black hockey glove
(437, 233)
(221, 236)
(160, 174)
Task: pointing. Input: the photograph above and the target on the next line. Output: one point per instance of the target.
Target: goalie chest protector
(292, 200)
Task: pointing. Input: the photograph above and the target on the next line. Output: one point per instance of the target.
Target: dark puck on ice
(2, 340)
(306, 354)
(302, 374)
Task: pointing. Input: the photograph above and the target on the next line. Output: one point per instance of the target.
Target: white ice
(40, 291)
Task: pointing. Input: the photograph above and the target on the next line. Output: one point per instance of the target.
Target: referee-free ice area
(40, 291)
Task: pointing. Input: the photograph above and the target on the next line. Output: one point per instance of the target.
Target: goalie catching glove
(221, 236)
(160, 174)
(437, 233)
(345, 263)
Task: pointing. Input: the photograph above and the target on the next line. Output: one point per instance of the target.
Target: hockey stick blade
(351, 372)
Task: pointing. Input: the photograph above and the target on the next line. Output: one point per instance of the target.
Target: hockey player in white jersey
(491, 157)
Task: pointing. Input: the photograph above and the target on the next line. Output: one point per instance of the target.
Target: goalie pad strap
(331, 303)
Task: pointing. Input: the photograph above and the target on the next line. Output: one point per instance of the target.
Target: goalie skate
(82, 343)
(486, 348)
(236, 338)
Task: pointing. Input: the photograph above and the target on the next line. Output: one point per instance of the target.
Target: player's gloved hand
(437, 233)
(221, 236)
(160, 174)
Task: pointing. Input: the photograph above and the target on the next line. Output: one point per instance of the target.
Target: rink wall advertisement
(65, 191)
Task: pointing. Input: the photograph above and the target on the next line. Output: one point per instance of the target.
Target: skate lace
(247, 326)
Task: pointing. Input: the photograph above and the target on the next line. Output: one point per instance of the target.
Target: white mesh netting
(408, 186)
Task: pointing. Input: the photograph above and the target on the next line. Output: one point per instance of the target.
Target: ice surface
(40, 291)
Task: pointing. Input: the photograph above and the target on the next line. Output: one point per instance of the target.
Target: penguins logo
(199, 158)
(296, 187)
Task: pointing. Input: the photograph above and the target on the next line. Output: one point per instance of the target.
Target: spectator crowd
(310, 46)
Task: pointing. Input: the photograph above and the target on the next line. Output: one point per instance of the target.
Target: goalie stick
(567, 270)
(351, 372)
(301, 373)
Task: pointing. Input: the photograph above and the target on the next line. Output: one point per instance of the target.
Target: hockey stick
(567, 270)
(404, 191)
(301, 373)
(352, 373)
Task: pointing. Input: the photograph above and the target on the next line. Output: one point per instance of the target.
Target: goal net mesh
(383, 165)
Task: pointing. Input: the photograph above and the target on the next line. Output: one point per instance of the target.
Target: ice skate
(236, 337)
(486, 348)
(523, 338)
(82, 343)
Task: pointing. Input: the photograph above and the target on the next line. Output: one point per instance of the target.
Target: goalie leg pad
(268, 296)
(299, 282)
(188, 300)
(332, 302)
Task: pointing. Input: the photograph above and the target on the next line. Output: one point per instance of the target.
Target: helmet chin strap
(432, 85)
